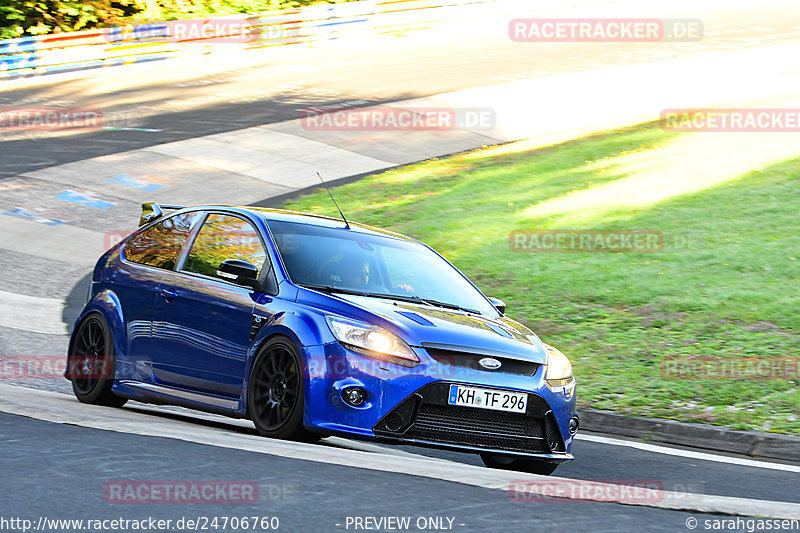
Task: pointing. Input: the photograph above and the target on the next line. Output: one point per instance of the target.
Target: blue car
(311, 326)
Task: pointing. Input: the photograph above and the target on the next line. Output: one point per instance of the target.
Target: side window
(160, 245)
(224, 237)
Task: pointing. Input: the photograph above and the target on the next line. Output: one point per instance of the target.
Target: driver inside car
(357, 274)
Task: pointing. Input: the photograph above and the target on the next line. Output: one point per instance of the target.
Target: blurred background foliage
(19, 18)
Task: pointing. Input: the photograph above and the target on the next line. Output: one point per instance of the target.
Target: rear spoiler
(152, 211)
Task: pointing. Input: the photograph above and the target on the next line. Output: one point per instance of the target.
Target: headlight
(559, 369)
(372, 341)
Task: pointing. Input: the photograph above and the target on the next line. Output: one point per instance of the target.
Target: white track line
(40, 315)
(59, 408)
(740, 461)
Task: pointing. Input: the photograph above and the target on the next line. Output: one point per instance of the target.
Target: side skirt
(162, 395)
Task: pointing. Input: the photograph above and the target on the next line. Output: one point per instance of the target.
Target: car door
(145, 259)
(201, 322)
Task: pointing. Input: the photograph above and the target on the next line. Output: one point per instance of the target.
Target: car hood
(435, 327)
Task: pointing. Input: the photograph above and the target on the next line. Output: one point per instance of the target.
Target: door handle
(168, 294)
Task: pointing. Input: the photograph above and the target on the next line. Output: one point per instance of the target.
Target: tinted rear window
(160, 245)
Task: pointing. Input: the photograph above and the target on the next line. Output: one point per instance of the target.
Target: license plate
(496, 400)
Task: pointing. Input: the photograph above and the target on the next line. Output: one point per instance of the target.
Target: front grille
(432, 417)
(470, 360)
(478, 428)
(426, 416)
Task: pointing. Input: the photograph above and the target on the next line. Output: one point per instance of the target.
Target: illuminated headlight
(372, 341)
(559, 369)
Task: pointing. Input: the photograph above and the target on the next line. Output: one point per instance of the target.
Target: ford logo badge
(490, 363)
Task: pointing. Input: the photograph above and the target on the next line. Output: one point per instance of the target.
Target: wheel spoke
(97, 339)
(260, 383)
(259, 407)
(92, 333)
(84, 336)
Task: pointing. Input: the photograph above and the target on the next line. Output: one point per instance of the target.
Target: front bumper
(426, 418)
(409, 405)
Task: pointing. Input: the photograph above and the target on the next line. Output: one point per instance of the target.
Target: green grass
(725, 285)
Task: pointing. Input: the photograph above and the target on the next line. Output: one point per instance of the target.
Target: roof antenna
(346, 223)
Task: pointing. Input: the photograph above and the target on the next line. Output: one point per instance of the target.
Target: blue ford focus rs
(310, 326)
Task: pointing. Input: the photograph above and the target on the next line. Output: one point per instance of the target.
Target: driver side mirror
(239, 272)
(498, 304)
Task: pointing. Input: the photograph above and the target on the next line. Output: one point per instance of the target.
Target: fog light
(354, 396)
(573, 425)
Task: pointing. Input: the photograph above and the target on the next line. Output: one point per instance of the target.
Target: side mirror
(500, 305)
(239, 272)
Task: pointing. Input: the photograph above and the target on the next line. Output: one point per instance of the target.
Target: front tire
(531, 466)
(91, 363)
(275, 392)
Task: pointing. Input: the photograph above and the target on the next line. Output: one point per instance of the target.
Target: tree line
(19, 18)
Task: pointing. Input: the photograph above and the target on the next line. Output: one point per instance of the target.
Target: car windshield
(338, 260)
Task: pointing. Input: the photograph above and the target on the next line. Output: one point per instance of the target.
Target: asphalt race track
(213, 97)
(58, 456)
(299, 486)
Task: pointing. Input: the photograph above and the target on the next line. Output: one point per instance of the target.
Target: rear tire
(91, 364)
(275, 392)
(531, 466)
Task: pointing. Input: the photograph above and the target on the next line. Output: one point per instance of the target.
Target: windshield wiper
(447, 305)
(387, 296)
(331, 288)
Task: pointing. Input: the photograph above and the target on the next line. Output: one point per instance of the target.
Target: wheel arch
(300, 329)
(107, 305)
